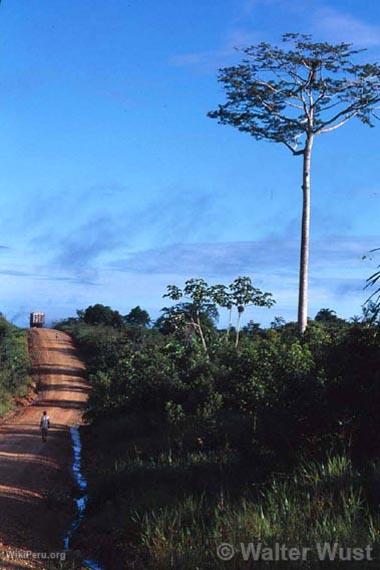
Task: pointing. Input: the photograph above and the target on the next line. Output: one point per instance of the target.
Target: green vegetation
(275, 438)
(14, 365)
(320, 502)
(373, 282)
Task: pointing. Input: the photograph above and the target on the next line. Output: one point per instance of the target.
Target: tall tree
(292, 94)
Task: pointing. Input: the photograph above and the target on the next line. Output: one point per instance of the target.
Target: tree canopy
(137, 317)
(99, 314)
(307, 88)
(290, 95)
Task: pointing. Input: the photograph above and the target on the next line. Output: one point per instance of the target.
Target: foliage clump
(14, 365)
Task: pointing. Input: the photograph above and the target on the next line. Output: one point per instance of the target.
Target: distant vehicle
(37, 319)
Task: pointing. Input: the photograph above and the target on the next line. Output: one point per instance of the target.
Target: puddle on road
(81, 501)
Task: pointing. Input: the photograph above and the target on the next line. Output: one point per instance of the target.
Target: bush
(14, 365)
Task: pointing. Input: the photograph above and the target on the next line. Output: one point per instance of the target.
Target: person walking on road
(44, 425)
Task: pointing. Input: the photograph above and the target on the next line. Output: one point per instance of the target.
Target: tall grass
(319, 503)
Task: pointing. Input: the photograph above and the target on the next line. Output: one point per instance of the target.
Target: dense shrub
(14, 364)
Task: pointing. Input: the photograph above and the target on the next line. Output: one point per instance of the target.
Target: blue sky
(114, 182)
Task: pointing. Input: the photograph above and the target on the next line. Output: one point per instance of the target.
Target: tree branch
(292, 150)
(279, 91)
(344, 112)
(334, 127)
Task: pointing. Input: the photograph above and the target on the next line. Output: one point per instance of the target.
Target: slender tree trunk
(229, 323)
(203, 340)
(305, 239)
(238, 329)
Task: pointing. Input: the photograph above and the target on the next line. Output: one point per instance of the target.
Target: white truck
(37, 319)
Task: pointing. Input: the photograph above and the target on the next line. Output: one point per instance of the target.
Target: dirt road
(34, 476)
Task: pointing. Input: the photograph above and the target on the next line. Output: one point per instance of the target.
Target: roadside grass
(14, 365)
(172, 511)
(319, 503)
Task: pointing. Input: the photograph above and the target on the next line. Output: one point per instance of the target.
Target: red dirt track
(31, 470)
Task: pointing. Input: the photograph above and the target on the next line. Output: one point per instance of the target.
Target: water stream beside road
(81, 501)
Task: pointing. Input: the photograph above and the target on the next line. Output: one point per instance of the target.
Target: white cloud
(225, 54)
(323, 22)
(336, 25)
